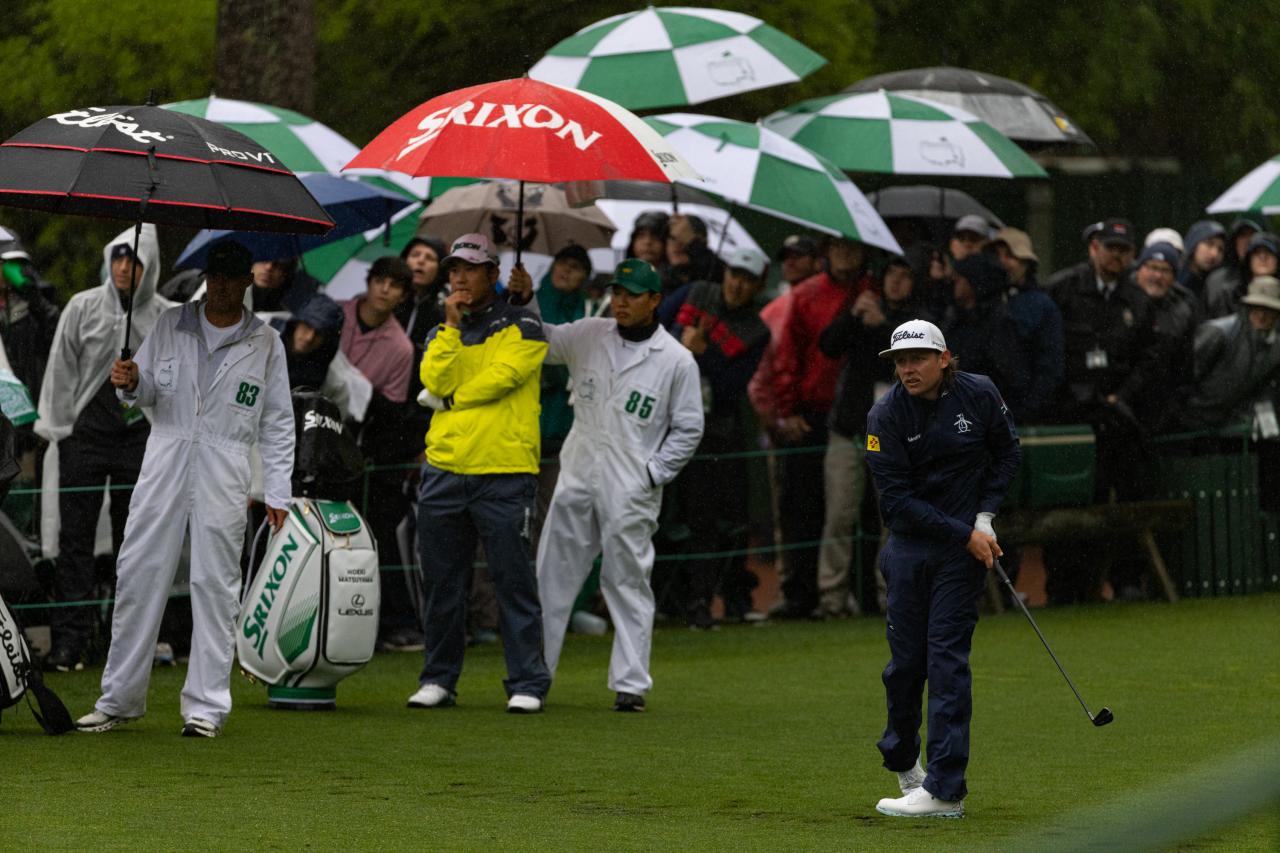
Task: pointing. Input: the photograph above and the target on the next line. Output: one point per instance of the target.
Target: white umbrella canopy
(675, 56)
(1256, 192)
(899, 134)
(757, 168)
(624, 213)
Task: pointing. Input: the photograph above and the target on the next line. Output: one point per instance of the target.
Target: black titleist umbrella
(149, 164)
(1016, 110)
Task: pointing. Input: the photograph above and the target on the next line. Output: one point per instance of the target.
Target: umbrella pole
(675, 200)
(125, 352)
(519, 224)
(724, 229)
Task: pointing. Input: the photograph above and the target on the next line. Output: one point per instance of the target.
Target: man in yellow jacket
(481, 374)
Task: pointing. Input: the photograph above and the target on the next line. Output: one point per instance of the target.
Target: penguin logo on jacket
(963, 424)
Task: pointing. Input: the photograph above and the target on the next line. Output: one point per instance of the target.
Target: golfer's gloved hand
(983, 523)
(428, 400)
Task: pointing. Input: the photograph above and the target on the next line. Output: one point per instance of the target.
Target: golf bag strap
(53, 715)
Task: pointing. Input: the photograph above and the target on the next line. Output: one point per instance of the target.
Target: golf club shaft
(1036, 628)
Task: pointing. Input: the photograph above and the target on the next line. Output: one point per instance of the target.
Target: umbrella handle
(519, 223)
(125, 352)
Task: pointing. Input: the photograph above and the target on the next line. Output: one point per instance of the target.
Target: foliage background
(1189, 79)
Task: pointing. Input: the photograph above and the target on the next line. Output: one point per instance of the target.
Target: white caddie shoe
(97, 721)
(909, 780)
(196, 727)
(920, 803)
(432, 696)
(524, 703)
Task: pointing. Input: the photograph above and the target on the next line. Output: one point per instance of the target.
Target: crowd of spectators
(1141, 337)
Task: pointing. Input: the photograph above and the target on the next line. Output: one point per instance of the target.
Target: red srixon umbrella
(524, 130)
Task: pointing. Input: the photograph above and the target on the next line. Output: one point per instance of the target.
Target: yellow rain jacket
(488, 373)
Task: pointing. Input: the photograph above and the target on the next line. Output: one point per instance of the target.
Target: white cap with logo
(749, 259)
(474, 249)
(915, 334)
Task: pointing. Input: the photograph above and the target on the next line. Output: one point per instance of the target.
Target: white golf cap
(474, 249)
(749, 259)
(915, 334)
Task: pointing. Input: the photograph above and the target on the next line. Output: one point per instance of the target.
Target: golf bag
(20, 677)
(309, 614)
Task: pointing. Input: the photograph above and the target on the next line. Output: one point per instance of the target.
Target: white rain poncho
(88, 339)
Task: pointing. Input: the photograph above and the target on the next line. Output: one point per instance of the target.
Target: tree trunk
(266, 52)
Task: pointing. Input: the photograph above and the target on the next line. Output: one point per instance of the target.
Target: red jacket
(804, 379)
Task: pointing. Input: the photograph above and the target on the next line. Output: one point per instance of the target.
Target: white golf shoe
(524, 703)
(432, 696)
(920, 803)
(909, 780)
(97, 721)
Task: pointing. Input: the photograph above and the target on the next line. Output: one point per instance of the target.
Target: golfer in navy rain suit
(942, 451)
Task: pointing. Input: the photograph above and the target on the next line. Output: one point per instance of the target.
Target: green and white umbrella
(302, 143)
(902, 135)
(1256, 192)
(753, 167)
(674, 56)
(305, 145)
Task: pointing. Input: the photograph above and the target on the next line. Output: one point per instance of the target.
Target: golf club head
(1103, 717)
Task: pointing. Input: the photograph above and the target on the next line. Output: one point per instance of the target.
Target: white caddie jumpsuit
(637, 420)
(196, 474)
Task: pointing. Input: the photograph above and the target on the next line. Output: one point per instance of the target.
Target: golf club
(1104, 715)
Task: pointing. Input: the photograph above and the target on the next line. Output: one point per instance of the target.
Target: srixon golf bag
(309, 614)
(20, 677)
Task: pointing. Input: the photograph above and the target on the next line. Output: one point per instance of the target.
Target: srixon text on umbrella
(489, 115)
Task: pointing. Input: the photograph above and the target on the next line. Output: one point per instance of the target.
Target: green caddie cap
(637, 276)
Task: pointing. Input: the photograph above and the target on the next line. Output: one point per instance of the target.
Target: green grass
(757, 738)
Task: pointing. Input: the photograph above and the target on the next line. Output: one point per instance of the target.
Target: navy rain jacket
(938, 463)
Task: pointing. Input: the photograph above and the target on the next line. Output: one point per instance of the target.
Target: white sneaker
(196, 727)
(920, 803)
(524, 703)
(909, 780)
(98, 721)
(432, 696)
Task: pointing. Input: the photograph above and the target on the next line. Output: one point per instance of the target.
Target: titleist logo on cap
(908, 335)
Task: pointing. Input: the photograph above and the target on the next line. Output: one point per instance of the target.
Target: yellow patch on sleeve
(873, 443)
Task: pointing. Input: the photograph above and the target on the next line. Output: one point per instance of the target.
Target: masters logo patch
(873, 443)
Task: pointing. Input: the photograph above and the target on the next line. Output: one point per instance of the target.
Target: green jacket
(557, 307)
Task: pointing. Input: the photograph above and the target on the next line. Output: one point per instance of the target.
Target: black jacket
(1120, 326)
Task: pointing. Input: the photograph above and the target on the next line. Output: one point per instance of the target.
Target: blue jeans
(455, 512)
(933, 592)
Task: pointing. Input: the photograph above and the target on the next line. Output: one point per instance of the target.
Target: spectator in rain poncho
(92, 437)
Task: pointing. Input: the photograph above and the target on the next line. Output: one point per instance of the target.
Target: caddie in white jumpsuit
(638, 418)
(214, 376)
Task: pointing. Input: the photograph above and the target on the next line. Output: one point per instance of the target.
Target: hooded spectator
(1206, 247)
(311, 339)
(1228, 285)
(1010, 332)
(28, 318)
(1176, 314)
(649, 238)
(92, 438)
(1238, 237)
(1236, 357)
(280, 286)
(689, 258)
